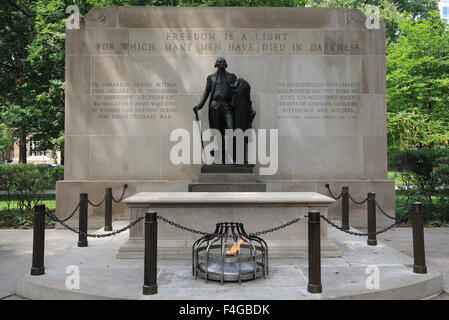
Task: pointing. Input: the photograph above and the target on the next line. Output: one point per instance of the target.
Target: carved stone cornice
(97, 14)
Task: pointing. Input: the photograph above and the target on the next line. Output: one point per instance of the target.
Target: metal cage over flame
(212, 258)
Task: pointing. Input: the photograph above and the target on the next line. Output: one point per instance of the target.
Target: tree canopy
(418, 84)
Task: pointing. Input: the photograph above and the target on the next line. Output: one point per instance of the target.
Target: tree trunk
(23, 149)
(62, 153)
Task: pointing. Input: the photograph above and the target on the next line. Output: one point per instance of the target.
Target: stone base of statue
(227, 178)
(227, 168)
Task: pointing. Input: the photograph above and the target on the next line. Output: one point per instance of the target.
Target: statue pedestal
(227, 178)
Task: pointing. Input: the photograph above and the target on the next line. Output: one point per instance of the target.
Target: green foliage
(6, 141)
(243, 3)
(26, 183)
(413, 129)
(387, 10)
(418, 84)
(417, 8)
(425, 174)
(47, 60)
(421, 164)
(16, 218)
(17, 81)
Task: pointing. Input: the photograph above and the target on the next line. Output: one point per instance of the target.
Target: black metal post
(419, 254)
(108, 209)
(345, 208)
(314, 285)
(150, 258)
(82, 238)
(38, 268)
(372, 241)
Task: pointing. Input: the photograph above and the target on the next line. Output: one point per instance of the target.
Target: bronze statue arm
(205, 95)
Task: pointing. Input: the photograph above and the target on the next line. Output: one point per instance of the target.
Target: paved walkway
(16, 253)
(437, 249)
(16, 249)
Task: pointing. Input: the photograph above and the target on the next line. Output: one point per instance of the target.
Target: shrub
(27, 182)
(426, 175)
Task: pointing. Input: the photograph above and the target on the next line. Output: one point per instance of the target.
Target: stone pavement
(15, 257)
(436, 242)
(16, 252)
(341, 277)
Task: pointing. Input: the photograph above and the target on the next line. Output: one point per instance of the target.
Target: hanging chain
(341, 194)
(384, 213)
(54, 218)
(208, 233)
(177, 225)
(172, 223)
(330, 192)
(368, 233)
(73, 213)
(98, 204)
(355, 201)
(123, 193)
(278, 227)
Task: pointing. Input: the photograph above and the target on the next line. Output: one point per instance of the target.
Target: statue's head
(221, 63)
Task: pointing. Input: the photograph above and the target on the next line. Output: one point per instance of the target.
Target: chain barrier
(172, 223)
(54, 218)
(330, 192)
(98, 204)
(384, 213)
(360, 234)
(341, 194)
(208, 233)
(123, 193)
(177, 225)
(355, 201)
(73, 213)
(278, 227)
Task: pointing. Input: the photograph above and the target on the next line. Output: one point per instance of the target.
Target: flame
(234, 248)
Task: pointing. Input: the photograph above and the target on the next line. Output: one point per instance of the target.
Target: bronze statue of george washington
(218, 86)
(229, 100)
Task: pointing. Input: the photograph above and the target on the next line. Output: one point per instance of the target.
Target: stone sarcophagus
(258, 211)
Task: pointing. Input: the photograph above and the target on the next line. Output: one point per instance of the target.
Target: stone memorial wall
(133, 75)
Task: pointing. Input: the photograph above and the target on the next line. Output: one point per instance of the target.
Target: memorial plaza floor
(104, 277)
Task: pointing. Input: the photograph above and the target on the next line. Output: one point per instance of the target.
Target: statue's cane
(201, 133)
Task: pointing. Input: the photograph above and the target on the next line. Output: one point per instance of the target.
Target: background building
(444, 9)
(33, 154)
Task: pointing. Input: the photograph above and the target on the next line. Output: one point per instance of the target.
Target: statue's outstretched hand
(196, 108)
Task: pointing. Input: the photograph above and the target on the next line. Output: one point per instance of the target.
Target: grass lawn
(396, 177)
(48, 199)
